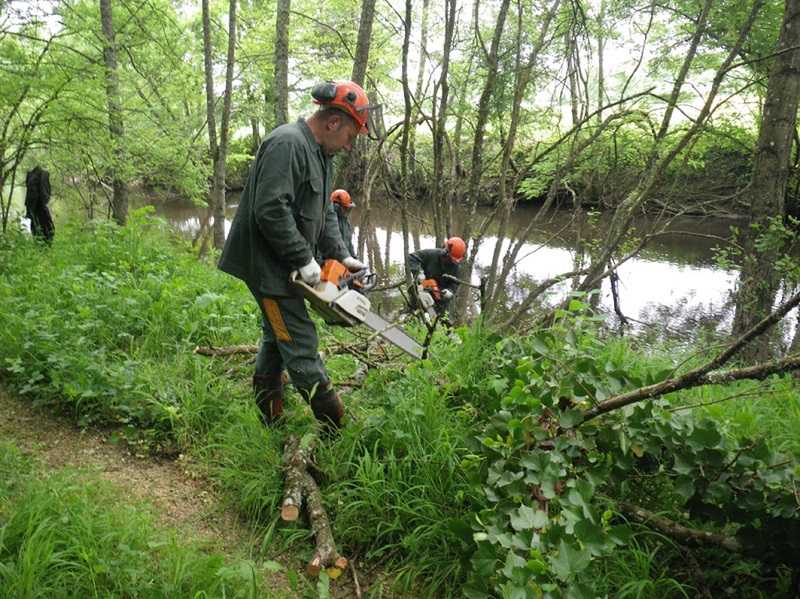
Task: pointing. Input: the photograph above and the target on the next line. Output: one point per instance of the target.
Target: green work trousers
(289, 340)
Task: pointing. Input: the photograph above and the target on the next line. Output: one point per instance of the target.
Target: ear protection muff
(324, 91)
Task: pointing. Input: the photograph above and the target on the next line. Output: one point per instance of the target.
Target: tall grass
(105, 321)
(66, 535)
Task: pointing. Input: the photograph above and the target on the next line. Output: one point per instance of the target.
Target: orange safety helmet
(353, 100)
(456, 248)
(341, 197)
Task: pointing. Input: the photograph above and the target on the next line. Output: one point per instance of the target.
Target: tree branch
(704, 374)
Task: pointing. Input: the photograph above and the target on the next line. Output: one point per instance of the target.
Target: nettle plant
(562, 490)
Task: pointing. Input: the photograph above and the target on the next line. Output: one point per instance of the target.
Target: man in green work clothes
(428, 269)
(284, 218)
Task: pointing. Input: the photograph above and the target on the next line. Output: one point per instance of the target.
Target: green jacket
(285, 215)
(347, 234)
(429, 262)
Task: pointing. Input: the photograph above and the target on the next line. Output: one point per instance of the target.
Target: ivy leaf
(484, 561)
(526, 518)
(476, 588)
(570, 418)
(516, 570)
(684, 486)
(569, 561)
(461, 529)
(513, 591)
(621, 534)
(592, 537)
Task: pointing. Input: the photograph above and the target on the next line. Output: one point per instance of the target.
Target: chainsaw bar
(332, 299)
(393, 335)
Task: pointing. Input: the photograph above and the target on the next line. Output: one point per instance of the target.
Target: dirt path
(183, 500)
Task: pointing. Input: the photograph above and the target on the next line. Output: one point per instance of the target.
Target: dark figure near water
(37, 182)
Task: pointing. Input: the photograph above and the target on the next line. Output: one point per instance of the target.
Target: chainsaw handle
(370, 281)
(345, 282)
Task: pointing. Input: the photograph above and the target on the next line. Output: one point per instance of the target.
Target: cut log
(301, 487)
(296, 461)
(326, 554)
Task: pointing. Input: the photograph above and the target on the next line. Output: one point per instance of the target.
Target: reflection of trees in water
(378, 239)
(685, 322)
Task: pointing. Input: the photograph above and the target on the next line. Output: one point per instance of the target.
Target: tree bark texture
(491, 56)
(224, 133)
(758, 279)
(280, 106)
(119, 203)
(326, 554)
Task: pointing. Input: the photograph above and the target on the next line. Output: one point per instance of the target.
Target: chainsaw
(339, 298)
(426, 292)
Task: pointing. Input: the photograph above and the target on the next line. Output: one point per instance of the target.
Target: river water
(674, 285)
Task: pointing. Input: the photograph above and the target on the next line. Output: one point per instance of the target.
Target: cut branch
(326, 554)
(296, 462)
(688, 537)
(301, 487)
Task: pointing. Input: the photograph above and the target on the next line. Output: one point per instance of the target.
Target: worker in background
(284, 218)
(342, 204)
(37, 195)
(428, 269)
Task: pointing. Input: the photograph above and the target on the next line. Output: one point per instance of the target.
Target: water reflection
(675, 280)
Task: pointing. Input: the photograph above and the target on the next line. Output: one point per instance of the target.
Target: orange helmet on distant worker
(353, 100)
(341, 197)
(456, 248)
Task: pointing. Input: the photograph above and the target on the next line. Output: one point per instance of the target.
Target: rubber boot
(268, 389)
(326, 405)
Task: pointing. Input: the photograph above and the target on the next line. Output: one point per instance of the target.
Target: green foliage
(98, 319)
(65, 535)
(552, 481)
(472, 472)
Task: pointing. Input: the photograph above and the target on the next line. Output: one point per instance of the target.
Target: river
(674, 283)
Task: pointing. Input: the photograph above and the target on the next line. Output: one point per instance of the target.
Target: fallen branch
(301, 487)
(226, 351)
(296, 462)
(326, 554)
(688, 537)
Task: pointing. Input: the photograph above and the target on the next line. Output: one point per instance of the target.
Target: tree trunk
(364, 42)
(350, 170)
(219, 149)
(758, 280)
(492, 59)
(418, 91)
(404, 139)
(119, 203)
(442, 194)
(280, 108)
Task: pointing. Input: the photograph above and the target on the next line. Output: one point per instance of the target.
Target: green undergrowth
(469, 473)
(67, 534)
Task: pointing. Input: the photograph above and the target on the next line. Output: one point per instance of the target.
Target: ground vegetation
(549, 463)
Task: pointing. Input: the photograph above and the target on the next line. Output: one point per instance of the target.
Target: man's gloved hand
(446, 294)
(354, 264)
(310, 273)
(420, 278)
